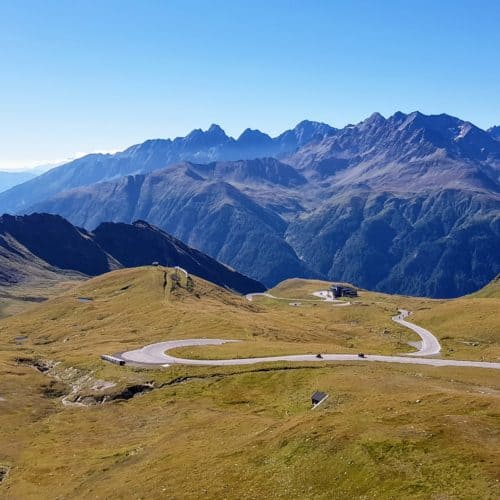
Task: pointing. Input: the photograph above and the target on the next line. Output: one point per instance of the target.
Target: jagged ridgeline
(406, 204)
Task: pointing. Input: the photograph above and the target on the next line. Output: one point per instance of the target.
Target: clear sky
(96, 75)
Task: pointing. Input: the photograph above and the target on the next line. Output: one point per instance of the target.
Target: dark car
(361, 355)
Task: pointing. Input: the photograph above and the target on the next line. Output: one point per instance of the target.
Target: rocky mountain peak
(214, 136)
(495, 132)
(253, 136)
(375, 118)
(304, 132)
(216, 131)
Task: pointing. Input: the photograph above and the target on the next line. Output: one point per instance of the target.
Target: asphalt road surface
(156, 355)
(429, 344)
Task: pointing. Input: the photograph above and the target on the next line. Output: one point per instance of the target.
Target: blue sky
(83, 75)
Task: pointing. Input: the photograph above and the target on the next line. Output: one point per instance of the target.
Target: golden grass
(247, 432)
(15, 299)
(130, 308)
(385, 432)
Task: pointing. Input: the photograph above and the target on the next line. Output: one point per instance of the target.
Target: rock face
(495, 132)
(42, 242)
(407, 204)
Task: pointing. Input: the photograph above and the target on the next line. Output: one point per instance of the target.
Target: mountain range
(407, 204)
(198, 146)
(49, 246)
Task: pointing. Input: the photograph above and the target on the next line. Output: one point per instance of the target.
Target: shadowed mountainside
(201, 209)
(46, 245)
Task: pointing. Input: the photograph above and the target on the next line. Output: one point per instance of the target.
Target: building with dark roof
(343, 291)
(317, 397)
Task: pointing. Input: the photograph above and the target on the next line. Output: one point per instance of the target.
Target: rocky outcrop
(4, 472)
(75, 387)
(495, 132)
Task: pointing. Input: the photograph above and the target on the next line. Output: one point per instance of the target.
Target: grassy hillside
(237, 432)
(129, 308)
(468, 327)
(20, 297)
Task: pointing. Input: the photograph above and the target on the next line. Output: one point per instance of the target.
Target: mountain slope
(53, 241)
(11, 179)
(140, 243)
(407, 153)
(491, 290)
(198, 146)
(50, 245)
(438, 245)
(195, 204)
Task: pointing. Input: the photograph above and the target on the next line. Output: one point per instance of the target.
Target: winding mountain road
(429, 344)
(156, 355)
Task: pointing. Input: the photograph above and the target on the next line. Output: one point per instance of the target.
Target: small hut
(318, 397)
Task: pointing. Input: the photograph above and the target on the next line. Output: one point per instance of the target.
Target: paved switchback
(155, 355)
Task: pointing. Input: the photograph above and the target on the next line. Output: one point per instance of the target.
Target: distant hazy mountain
(11, 179)
(43, 243)
(495, 132)
(199, 146)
